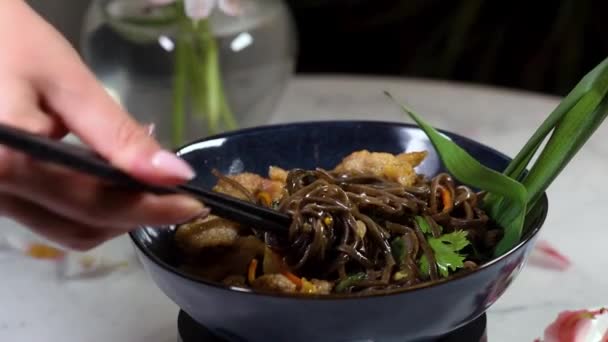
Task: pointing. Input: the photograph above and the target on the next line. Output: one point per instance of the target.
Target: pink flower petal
(568, 327)
(575, 326)
(199, 9)
(546, 256)
(231, 7)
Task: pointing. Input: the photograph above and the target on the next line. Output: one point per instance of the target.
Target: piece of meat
(413, 158)
(322, 286)
(217, 263)
(275, 173)
(274, 283)
(253, 183)
(398, 168)
(211, 231)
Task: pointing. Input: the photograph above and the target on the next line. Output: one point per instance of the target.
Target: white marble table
(126, 306)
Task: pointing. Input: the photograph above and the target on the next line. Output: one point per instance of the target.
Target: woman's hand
(46, 89)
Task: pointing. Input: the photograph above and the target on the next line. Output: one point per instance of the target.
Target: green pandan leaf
(587, 83)
(569, 135)
(582, 107)
(510, 194)
(469, 171)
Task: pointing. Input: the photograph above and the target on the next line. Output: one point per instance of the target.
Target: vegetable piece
(264, 198)
(398, 250)
(307, 287)
(253, 266)
(446, 248)
(424, 225)
(43, 251)
(361, 229)
(273, 264)
(425, 268)
(275, 205)
(399, 275)
(293, 278)
(446, 198)
(469, 171)
(350, 281)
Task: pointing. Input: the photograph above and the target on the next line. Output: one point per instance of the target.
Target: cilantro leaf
(425, 268)
(457, 240)
(424, 225)
(349, 281)
(446, 248)
(398, 249)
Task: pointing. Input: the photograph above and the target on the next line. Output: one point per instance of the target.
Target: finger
(85, 199)
(58, 229)
(69, 89)
(101, 123)
(18, 108)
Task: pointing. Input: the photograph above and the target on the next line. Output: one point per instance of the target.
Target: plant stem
(198, 94)
(179, 89)
(197, 64)
(212, 77)
(229, 119)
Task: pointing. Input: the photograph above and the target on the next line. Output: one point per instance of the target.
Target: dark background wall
(542, 45)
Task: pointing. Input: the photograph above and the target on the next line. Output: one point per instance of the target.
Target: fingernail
(172, 165)
(202, 213)
(150, 129)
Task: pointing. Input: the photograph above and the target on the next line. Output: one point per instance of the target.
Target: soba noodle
(345, 226)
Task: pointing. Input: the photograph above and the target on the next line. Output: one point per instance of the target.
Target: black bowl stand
(191, 331)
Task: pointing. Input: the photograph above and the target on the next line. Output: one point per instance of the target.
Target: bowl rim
(528, 237)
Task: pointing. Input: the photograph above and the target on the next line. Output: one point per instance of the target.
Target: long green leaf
(518, 165)
(522, 159)
(569, 136)
(467, 170)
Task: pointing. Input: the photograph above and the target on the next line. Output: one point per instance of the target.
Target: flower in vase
(197, 86)
(201, 9)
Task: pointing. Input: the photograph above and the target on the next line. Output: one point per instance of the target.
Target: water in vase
(257, 53)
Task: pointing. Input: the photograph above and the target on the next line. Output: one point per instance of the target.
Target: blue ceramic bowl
(417, 314)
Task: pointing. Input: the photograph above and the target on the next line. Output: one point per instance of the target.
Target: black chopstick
(83, 160)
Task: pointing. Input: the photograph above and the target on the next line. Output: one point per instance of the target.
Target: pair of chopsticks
(85, 161)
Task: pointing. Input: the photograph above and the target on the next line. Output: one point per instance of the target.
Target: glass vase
(134, 50)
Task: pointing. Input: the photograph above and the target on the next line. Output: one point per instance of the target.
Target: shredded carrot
(265, 198)
(446, 197)
(285, 271)
(42, 251)
(253, 266)
(293, 278)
